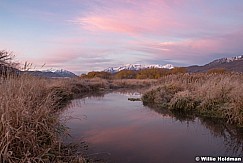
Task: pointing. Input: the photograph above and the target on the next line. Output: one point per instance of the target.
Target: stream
(118, 130)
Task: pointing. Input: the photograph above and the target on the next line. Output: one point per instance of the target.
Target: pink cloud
(105, 33)
(107, 24)
(139, 19)
(157, 17)
(190, 49)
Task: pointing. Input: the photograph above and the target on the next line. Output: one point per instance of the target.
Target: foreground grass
(30, 128)
(29, 121)
(209, 95)
(29, 117)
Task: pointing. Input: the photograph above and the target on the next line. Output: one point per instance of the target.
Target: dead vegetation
(211, 95)
(29, 121)
(29, 111)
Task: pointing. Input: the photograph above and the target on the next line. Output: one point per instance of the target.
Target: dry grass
(132, 83)
(29, 115)
(29, 119)
(29, 110)
(212, 95)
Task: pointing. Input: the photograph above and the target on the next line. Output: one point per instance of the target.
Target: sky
(91, 35)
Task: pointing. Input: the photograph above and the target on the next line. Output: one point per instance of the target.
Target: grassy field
(209, 95)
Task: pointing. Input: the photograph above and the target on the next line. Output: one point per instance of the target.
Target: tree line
(149, 73)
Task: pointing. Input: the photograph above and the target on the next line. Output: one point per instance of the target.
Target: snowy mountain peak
(227, 60)
(168, 66)
(60, 73)
(136, 67)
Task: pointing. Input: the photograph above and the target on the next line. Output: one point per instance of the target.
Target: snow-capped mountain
(229, 64)
(52, 73)
(226, 60)
(136, 67)
(61, 73)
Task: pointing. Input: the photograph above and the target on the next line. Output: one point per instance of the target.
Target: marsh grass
(209, 95)
(132, 83)
(29, 124)
(30, 128)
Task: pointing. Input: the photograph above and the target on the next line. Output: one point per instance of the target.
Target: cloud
(93, 35)
(125, 21)
(198, 50)
(156, 17)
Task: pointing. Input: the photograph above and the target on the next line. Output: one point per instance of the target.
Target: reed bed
(209, 95)
(30, 128)
(132, 83)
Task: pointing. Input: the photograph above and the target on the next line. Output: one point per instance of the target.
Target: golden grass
(29, 110)
(30, 128)
(29, 119)
(131, 83)
(212, 95)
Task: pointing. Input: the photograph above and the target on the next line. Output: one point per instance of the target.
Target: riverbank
(29, 111)
(29, 125)
(208, 95)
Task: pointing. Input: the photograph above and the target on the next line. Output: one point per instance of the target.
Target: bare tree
(6, 57)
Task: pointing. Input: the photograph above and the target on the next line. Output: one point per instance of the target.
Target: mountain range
(136, 67)
(52, 73)
(230, 64)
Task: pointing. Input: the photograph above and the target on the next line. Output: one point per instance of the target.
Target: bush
(162, 94)
(183, 102)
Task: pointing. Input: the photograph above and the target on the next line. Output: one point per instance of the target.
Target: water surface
(127, 131)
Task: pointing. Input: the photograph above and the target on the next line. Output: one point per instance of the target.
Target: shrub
(162, 94)
(183, 101)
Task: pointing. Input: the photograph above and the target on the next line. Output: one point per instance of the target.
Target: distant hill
(231, 64)
(136, 67)
(4, 70)
(52, 73)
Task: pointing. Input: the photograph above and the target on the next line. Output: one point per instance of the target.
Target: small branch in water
(134, 99)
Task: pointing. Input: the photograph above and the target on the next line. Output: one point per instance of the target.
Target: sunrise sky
(88, 35)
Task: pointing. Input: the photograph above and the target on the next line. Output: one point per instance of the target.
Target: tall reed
(29, 121)
(212, 95)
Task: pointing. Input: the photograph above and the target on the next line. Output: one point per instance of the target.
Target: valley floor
(30, 108)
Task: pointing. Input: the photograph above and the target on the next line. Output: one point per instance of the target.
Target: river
(118, 130)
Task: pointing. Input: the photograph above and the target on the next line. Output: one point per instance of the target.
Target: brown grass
(131, 83)
(29, 115)
(29, 118)
(212, 95)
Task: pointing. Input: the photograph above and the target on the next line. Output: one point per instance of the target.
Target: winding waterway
(126, 131)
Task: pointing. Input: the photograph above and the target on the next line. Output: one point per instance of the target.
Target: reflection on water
(127, 131)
